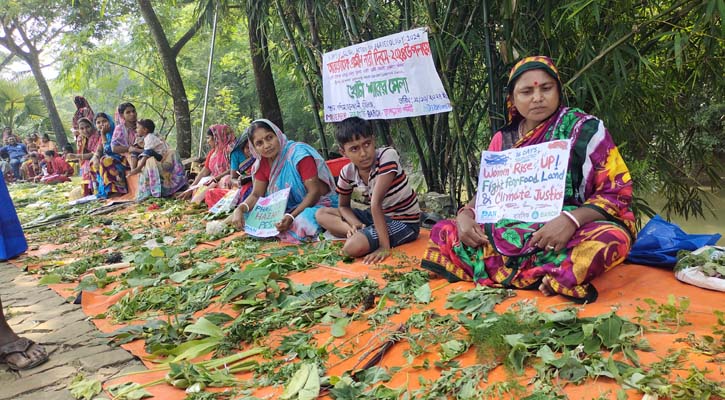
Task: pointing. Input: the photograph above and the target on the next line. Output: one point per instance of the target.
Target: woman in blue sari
(12, 240)
(109, 168)
(16, 352)
(282, 163)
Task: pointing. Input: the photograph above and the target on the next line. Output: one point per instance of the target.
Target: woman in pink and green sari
(595, 229)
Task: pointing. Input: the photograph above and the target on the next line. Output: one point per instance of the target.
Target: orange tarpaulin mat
(623, 289)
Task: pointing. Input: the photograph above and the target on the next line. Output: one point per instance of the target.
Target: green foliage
(460, 383)
(21, 106)
(668, 317)
(86, 389)
(711, 345)
(478, 301)
(711, 262)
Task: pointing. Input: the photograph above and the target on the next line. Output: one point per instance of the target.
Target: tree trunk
(173, 77)
(263, 78)
(47, 96)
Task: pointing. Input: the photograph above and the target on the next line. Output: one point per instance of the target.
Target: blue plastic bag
(659, 241)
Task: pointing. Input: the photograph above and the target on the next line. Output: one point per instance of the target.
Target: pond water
(710, 224)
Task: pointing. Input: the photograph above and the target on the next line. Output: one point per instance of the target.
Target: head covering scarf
(122, 135)
(527, 64)
(112, 125)
(107, 150)
(88, 144)
(243, 139)
(83, 110)
(239, 160)
(218, 158)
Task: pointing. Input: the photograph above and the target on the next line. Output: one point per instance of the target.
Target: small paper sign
(266, 213)
(226, 203)
(525, 184)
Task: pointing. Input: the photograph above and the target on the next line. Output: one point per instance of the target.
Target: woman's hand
(185, 195)
(284, 224)
(554, 235)
(238, 218)
(469, 231)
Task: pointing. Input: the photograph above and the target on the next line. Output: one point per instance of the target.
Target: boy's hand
(354, 228)
(376, 256)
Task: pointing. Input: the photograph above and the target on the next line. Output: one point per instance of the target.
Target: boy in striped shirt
(394, 215)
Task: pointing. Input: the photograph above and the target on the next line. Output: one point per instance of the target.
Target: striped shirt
(400, 202)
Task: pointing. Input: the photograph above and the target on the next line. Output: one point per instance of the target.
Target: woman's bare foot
(545, 288)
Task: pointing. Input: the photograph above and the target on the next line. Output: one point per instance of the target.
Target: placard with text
(389, 77)
(525, 184)
(266, 213)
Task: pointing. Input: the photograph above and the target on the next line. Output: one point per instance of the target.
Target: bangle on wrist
(245, 205)
(291, 216)
(572, 218)
(464, 208)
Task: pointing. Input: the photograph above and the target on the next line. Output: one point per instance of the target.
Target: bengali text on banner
(390, 77)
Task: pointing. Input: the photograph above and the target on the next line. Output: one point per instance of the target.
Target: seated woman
(162, 173)
(592, 234)
(31, 169)
(282, 163)
(220, 139)
(5, 167)
(47, 144)
(67, 155)
(32, 142)
(57, 170)
(124, 134)
(83, 110)
(108, 167)
(241, 162)
(89, 141)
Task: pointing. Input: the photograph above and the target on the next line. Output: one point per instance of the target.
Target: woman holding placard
(280, 164)
(595, 229)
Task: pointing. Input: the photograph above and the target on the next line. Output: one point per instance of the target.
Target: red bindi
(536, 83)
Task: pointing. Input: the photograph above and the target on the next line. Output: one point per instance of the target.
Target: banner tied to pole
(525, 184)
(390, 77)
(266, 213)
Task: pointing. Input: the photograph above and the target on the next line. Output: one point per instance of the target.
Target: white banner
(390, 77)
(266, 213)
(525, 184)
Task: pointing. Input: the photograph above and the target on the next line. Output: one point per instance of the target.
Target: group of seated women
(108, 154)
(260, 162)
(592, 234)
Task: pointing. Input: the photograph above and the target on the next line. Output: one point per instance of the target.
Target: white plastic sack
(694, 276)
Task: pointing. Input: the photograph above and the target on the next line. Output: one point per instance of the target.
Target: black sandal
(22, 346)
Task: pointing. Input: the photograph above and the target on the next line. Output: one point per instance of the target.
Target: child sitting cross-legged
(394, 215)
